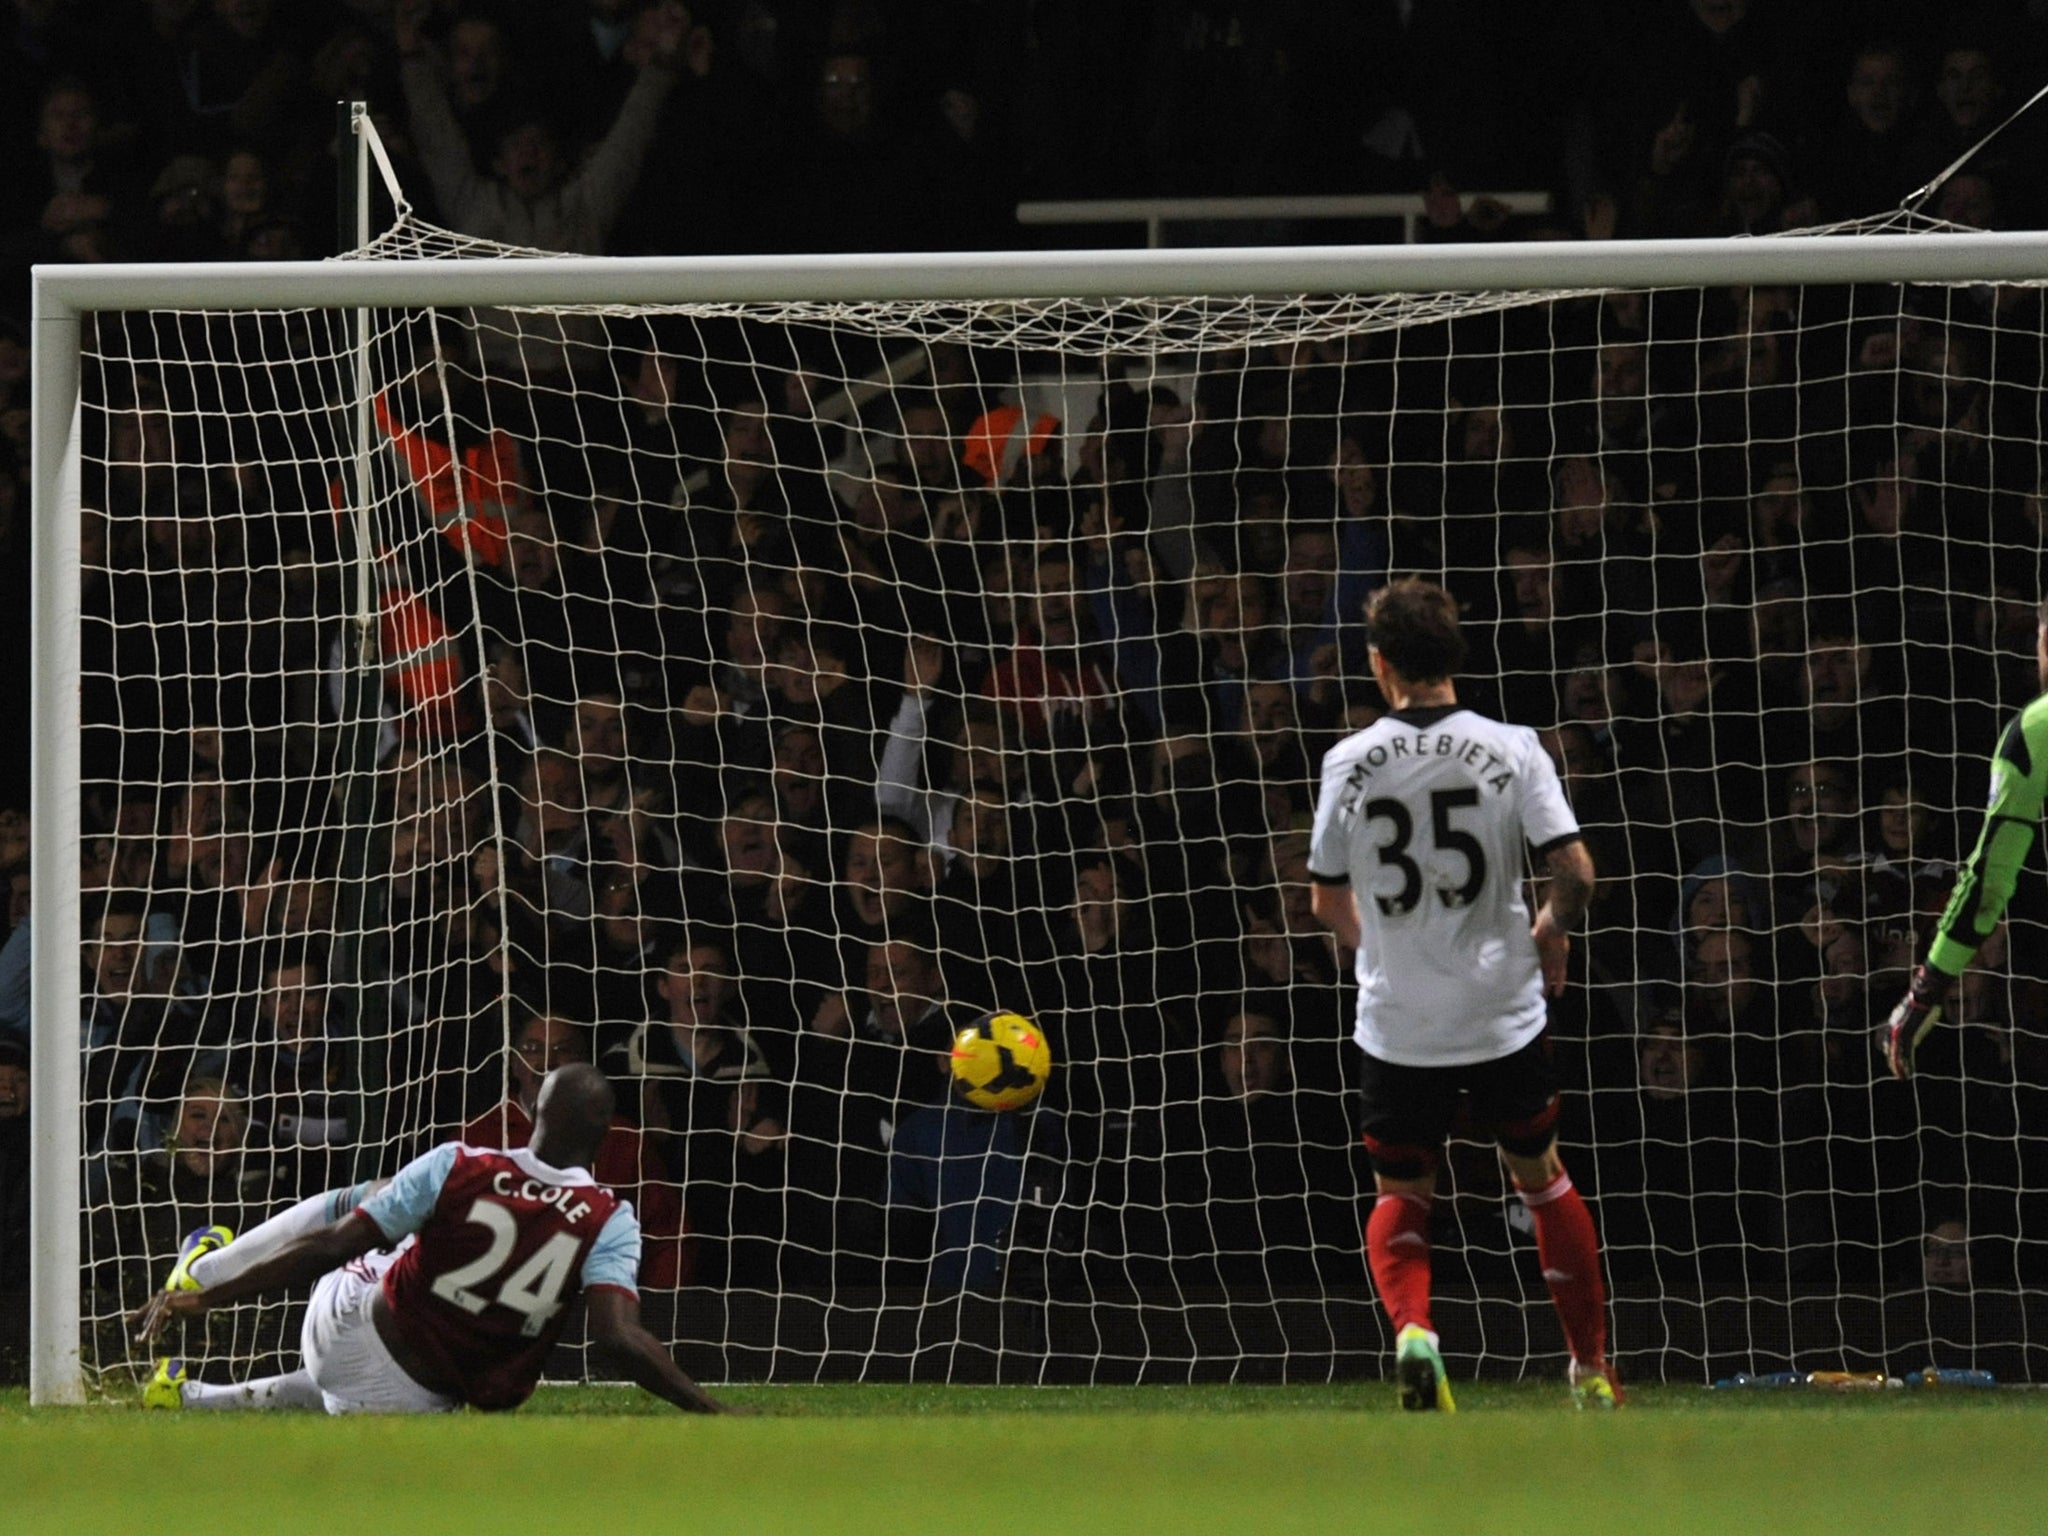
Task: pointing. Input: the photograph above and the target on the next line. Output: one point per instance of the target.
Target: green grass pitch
(903, 1459)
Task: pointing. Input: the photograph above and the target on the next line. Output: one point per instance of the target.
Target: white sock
(295, 1389)
(266, 1238)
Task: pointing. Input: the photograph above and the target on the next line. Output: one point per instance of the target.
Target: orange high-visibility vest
(467, 503)
(422, 664)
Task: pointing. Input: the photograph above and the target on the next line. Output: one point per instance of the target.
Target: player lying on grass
(448, 1285)
(2019, 787)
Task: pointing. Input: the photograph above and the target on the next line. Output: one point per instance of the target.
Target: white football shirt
(1425, 814)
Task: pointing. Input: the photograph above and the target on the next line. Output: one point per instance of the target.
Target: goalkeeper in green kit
(2019, 785)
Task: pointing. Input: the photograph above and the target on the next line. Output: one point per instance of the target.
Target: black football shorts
(1409, 1111)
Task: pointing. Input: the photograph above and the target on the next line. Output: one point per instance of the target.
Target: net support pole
(355, 156)
(56, 1078)
(362, 689)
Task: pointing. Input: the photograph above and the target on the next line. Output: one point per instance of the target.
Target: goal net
(743, 695)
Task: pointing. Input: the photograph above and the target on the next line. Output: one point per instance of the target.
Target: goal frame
(65, 296)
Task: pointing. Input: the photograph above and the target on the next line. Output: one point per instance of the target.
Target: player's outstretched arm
(1915, 1017)
(2019, 790)
(1568, 894)
(616, 1330)
(299, 1261)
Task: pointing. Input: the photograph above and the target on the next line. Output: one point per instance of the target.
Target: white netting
(738, 679)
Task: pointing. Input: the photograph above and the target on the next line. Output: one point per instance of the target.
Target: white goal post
(66, 299)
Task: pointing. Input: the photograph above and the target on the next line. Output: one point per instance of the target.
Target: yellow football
(1001, 1061)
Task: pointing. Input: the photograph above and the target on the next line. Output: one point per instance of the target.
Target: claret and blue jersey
(501, 1244)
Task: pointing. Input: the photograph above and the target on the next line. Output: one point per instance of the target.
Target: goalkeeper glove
(1917, 1013)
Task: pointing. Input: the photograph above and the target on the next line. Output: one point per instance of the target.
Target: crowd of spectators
(205, 129)
(748, 750)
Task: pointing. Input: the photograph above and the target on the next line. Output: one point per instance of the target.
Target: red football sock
(1570, 1254)
(1397, 1251)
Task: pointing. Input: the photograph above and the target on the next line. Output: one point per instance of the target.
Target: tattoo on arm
(1571, 884)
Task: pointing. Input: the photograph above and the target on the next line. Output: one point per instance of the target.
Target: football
(1001, 1061)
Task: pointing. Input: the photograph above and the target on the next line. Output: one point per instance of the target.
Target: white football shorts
(348, 1362)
